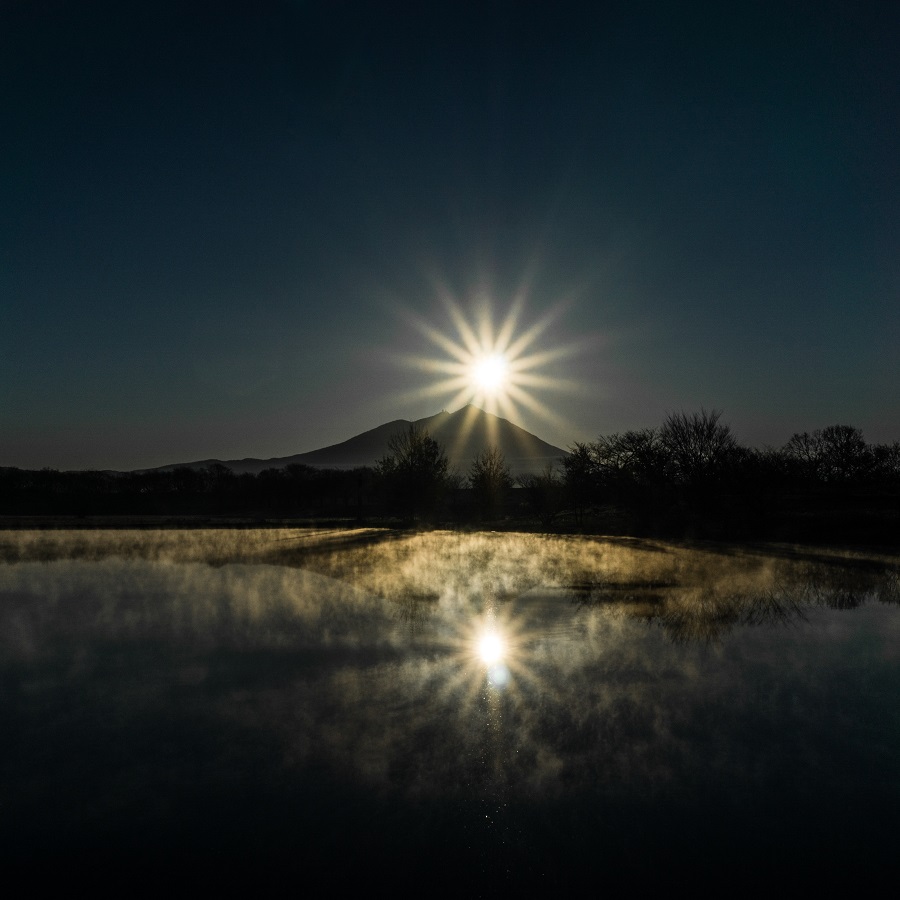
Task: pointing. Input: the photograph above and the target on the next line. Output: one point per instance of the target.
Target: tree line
(413, 482)
(691, 475)
(687, 477)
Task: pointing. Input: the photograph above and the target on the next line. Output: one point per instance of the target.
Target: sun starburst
(489, 373)
(500, 368)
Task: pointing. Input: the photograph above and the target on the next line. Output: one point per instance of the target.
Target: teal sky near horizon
(221, 222)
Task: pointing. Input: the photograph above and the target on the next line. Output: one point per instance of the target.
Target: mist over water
(306, 698)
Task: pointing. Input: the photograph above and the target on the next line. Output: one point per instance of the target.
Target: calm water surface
(444, 709)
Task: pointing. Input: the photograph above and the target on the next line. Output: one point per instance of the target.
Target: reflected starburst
(491, 650)
(495, 367)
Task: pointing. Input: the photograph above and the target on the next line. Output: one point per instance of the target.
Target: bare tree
(414, 471)
(490, 480)
(804, 452)
(697, 445)
(837, 453)
(636, 455)
(846, 456)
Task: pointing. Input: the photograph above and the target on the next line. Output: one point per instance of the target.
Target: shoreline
(781, 545)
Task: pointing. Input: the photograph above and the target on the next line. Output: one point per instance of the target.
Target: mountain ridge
(463, 434)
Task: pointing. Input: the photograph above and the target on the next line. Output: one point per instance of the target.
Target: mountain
(463, 434)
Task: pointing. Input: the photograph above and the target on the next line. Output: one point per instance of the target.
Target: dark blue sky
(218, 219)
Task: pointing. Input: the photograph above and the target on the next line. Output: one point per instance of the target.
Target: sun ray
(507, 329)
(447, 345)
(536, 406)
(492, 363)
(486, 332)
(542, 357)
(464, 330)
(546, 382)
(430, 364)
(458, 387)
(527, 338)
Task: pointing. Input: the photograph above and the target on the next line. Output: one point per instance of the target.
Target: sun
(491, 648)
(489, 373)
(498, 366)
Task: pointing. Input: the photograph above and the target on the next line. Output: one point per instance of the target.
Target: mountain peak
(464, 434)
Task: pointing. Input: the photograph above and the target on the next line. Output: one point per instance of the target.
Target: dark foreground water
(422, 713)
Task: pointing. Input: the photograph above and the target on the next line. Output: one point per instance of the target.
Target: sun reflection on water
(496, 644)
(498, 675)
(491, 648)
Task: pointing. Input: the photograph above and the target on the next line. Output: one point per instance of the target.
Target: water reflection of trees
(707, 613)
(707, 617)
(415, 610)
(850, 587)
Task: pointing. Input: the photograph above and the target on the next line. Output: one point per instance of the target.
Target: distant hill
(463, 434)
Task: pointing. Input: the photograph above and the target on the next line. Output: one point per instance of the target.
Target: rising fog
(356, 647)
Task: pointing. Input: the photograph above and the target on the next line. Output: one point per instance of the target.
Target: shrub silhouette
(414, 472)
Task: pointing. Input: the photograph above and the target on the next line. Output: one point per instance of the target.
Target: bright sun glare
(489, 373)
(491, 648)
(494, 366)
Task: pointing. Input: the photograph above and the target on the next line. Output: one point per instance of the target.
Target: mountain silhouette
(463, 435)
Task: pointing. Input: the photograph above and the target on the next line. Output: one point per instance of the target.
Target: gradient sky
(221, 221)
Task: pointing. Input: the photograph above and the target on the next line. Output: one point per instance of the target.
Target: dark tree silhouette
(886, 463)
(490, 480)
(836, 454)
(697, 445)
(580, 477)
(689, 477)
(632, 458)
(414, 472)
(802, 453)
(631, 469)
(846, 456)
(543, 494)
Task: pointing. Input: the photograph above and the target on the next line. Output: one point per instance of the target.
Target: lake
(480, 711)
